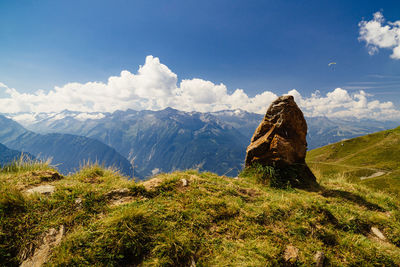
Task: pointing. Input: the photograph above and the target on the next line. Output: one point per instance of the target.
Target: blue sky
(253, 45)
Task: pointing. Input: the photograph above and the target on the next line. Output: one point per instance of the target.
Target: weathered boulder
(280, 141)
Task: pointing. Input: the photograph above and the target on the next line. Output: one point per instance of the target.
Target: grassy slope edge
(362, 157)
(215, 220)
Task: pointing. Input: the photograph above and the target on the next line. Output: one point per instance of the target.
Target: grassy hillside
(210, 221)
(372, 160)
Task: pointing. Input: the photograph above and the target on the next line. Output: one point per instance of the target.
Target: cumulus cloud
(339, 103)
(156, 87)
(378, 34)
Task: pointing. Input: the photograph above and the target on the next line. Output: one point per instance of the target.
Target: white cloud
(378, 34)
(339, 103)
(156, 87)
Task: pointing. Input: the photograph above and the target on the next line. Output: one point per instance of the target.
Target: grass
(214, 221)
(24, 163)
(362, 157)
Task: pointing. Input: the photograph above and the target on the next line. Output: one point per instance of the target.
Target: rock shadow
(359, 200)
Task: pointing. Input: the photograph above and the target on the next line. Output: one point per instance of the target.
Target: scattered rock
(319, 259)
(78, 201)
(41, 254)
(280, 140)
(377, 233)
(291, 254)
(46, 189)
(184, 182)
(152, 183)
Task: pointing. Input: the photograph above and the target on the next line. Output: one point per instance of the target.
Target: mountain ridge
(68, 152)
(169, 139)
(7, 155)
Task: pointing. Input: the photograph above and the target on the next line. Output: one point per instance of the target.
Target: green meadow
(205, 219)
(371, 160)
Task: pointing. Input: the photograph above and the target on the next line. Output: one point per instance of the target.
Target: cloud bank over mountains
(378, 34)
(156, 87)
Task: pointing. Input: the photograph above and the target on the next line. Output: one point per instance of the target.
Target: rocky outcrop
(280, 141)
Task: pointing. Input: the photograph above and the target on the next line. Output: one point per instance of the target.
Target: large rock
(280, 141)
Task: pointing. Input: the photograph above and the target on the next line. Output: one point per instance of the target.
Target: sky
(200, 55)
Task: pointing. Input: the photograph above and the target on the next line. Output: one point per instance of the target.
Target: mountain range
(169, 139)
(67, 152)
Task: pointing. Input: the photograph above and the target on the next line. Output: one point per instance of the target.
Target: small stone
(193, 263)
(78, 201)
(376, 232)
(291, 254)
(42, 189)
(319, 259)
(184, 182)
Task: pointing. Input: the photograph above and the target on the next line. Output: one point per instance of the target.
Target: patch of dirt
(248, 192)
(118, 197)
(121, 201)
(47, 176)
(118, 193)
(92, 180)
(41, 254)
